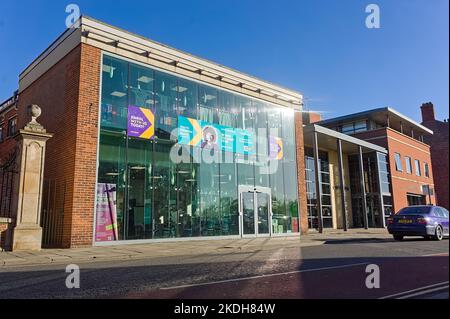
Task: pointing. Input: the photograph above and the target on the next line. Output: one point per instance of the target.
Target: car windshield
(415, 210)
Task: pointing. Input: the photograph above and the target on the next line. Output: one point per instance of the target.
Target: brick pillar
(301, 173)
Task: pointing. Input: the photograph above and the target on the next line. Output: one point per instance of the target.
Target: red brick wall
(440, 157)
(7, 147)
(68, 94)
(8, 144)
(301, 173)
(402, 182)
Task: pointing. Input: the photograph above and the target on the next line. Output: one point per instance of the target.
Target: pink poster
(106, 225)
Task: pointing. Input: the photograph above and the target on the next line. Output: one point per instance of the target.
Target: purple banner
(141, 122)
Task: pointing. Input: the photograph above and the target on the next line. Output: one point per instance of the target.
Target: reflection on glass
(114, 94)
(165, 104)
(263, 213)
(248, 210)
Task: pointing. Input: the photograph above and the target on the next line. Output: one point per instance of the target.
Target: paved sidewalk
(181, 248)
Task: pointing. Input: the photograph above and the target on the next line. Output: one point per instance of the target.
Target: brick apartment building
(410, 165)
(103, 183)
(439, 152)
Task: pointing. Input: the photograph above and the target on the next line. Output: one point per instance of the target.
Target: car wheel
(439, 233)
(398, 237)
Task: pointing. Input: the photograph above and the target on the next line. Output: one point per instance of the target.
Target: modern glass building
(238, 179)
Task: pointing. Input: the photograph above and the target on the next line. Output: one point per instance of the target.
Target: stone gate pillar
(31, 140)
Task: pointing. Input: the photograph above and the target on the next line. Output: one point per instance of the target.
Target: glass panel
(229, 112)
(140, 189)
(291, 197)
(114, 94)
(165, 104)
(187, 98)
(208, 107)
(247, 117)
(164, 192)
(229, 199)
(211, 222)
(112, 172)
(248, 210)
(278, 200)
(288, 130)
(141, 87)
(188, 201)
(263, 212)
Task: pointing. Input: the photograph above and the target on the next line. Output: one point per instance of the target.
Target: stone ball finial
(35, 111)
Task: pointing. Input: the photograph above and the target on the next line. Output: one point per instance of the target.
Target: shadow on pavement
(319, 278)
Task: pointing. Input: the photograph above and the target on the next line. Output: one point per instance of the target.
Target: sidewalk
(180, 248)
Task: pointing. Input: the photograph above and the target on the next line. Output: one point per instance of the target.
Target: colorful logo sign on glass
(141, 122)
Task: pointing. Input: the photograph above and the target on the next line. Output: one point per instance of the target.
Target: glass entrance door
(255, 210)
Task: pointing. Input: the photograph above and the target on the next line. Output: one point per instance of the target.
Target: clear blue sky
(321, 48)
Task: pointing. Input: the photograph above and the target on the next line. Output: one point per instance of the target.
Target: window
(347, 128)
(418, 171)
(426, 170)
(398, 162)
(416, 200)
(166, 94)
(408, 165)
(114, 94)
(360, 126)
(12, 126)
(1, 133)
(354, 127)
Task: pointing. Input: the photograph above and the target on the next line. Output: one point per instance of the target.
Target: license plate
(405, 221)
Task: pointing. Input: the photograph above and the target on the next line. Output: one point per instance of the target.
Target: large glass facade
(143, 193)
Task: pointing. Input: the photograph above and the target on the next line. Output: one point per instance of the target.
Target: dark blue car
(426, 221)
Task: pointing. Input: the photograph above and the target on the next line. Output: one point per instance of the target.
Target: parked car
(426, 221)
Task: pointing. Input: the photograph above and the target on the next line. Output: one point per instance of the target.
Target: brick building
(439, 151)
(8, 128)
(119, 106)
(409, 157)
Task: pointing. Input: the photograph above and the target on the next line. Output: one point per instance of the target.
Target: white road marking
(436, 255)
(265, 276)
(426, 292)
(401, 294)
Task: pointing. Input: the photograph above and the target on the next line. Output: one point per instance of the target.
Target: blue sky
(320, 48)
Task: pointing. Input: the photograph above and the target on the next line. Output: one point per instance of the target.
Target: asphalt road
(410, 269)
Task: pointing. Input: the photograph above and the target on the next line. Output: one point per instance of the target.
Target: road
(414, 268)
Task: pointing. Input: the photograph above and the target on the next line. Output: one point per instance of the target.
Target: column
(27, 234)
(342, 183)
(363, 189)
(318, 179)
(383, 218)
